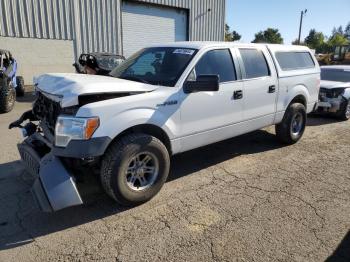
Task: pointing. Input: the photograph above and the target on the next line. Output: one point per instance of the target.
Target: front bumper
(54, 188)
(330, 105)
(93, 147)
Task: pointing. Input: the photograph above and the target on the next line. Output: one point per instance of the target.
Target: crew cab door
(260, 84)
(205, 116)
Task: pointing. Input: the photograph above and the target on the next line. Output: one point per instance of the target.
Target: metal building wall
(204, 25)
(95, 25)
(48, 19)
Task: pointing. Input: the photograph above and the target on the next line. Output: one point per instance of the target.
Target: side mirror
(204, 83)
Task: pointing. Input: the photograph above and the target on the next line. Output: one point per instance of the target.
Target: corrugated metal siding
(95, 25)
(204, 25)
(151, 24)
(51, 19)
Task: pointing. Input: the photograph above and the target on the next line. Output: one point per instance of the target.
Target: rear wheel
(344, 113)
(134, 169)
(292, 127)
(20, 90)
(7, 97)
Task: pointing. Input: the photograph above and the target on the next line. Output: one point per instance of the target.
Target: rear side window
(217, 62)
(294, 60)
(255, 63)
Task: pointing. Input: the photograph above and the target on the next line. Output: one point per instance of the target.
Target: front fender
(133, 117)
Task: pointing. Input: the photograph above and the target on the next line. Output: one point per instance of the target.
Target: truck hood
(334, 84)
(66, 88)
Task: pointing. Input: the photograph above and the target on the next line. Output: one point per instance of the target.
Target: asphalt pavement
(245, 199)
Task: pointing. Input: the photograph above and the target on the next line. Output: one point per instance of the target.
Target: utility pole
(301, 23)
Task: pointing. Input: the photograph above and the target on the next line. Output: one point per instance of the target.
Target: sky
(248, 17)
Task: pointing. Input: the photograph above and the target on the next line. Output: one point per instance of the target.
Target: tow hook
(28, 129)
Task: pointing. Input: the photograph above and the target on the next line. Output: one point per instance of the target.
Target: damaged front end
(60, 146)
(331, 100)
(54, 187)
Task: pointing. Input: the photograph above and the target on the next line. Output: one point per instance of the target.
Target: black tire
(344, 113)
(7, 97)
(117, 160)
(20, 90)
(287, 131)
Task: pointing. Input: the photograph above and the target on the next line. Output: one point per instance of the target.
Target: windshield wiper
(135, 78)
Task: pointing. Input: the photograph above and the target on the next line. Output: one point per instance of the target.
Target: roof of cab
(205, 44)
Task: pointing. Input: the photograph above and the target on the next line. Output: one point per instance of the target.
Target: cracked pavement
(244, 199)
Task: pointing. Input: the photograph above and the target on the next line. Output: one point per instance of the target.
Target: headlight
(74, 128)
(337, 92)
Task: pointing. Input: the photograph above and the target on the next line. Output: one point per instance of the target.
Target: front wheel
(292, 127)
(344, 113)
(134, 169)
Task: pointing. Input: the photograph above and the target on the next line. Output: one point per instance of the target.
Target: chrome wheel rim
(142, 171)
(347, 112)
(297, 124)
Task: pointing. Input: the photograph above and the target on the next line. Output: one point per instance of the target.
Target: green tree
(227, 33)
(236, 36)
(347, 31)
(338, 39)
(337, 31)
(231, 36)
(296, 42)
(270, 35)
(315, 40)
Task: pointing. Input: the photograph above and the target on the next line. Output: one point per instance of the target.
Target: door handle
(237, 94)
(272, 89)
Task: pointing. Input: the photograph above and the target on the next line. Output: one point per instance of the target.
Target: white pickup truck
(162, 101)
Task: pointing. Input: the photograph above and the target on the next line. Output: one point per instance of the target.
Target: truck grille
(47, 110)
(30, 158)
(324, 92)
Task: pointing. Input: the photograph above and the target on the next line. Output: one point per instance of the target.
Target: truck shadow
(21, 221)
(320, 120)
(342, 253)
(201, 158)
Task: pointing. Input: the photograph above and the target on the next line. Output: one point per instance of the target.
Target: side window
(294, 60)
(216, 62)
(255, 63)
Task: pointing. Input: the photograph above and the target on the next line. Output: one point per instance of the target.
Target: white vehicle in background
(162, 101)
(335, 91)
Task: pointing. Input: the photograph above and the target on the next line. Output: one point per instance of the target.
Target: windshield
(339, 75)
(156, 66)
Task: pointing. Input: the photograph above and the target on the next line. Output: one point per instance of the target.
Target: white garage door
(144, 24)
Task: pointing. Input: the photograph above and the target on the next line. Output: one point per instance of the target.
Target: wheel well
(148, 129)
(299, 99)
